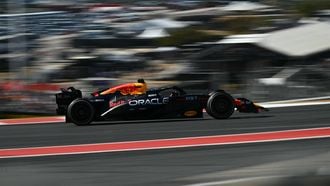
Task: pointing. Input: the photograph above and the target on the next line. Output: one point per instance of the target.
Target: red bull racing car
(133, 101)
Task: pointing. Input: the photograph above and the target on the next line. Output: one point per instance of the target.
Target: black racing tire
(220, 105)
(81, 112)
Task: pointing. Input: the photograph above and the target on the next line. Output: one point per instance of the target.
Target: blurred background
(265, 50)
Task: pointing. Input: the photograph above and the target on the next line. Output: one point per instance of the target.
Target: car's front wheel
(220, 105)
(81, 112)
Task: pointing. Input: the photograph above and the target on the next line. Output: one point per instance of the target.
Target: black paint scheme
(163, 103)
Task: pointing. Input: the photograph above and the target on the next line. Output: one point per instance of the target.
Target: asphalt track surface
(166, 166)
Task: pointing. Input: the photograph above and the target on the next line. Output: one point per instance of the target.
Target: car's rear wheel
(220, 105)
(81, 112)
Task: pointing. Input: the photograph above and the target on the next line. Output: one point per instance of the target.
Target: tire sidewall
(216, 97)
(75, 120)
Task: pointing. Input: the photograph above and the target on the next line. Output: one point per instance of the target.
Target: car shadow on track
(147, 121)
(173, 120)
(251, 117)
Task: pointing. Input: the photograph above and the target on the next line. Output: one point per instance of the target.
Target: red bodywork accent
(125, 89)
(240, 105)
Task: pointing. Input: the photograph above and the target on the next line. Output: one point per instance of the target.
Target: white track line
(297, 100)
(269, 105)
(234, 181)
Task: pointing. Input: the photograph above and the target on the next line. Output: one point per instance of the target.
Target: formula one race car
(133, 102)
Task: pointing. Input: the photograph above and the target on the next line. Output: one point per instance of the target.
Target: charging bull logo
(153, 101)
(127, 89)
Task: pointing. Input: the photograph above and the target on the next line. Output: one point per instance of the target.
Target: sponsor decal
(191, 98)
(116, 103)
(153, 101)
(152, 95)
(190, 113)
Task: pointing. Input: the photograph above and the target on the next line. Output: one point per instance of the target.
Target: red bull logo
(116, 103)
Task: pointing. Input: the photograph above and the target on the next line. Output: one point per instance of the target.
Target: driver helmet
(141, 81)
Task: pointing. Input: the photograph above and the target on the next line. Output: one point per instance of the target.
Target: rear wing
(65, 97)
